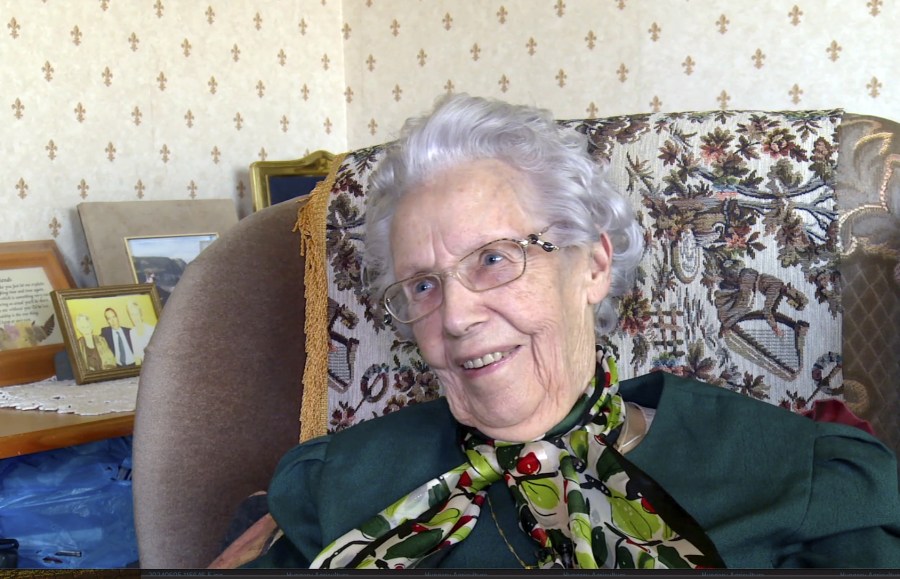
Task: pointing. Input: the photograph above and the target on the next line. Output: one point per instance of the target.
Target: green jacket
(771, 488)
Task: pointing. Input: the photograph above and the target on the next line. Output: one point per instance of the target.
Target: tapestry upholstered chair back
(772, 245)
(769, 267)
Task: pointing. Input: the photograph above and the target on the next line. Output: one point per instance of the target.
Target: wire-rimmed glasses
(490, 266)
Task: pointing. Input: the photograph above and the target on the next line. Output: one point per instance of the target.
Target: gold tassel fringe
(311, 224)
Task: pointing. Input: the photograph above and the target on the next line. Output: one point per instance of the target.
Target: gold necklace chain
(503, 535)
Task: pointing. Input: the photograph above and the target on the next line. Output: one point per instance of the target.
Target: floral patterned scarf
(581, 501)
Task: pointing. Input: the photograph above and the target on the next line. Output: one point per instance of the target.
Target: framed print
(30, 335)
(277, 181)
(107, 224)
(107, 329)
(161, 260)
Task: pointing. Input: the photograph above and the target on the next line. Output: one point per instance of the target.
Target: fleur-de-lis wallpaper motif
(874, 87)
(722, 24)
(13, 28)
(874, 6)
(758, 58)
(724, 100)
(18, 108)
(561, 77)
(227, 83)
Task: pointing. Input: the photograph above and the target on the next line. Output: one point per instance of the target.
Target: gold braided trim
(311, 224)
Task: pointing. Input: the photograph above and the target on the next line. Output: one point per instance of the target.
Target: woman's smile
(490, 360)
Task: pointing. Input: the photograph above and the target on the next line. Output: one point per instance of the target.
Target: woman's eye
(422, 286)
(492, 259)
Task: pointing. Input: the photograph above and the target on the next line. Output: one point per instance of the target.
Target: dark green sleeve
(853, 517)
(293, 503)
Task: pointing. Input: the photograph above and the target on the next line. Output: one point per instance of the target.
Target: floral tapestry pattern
(738, 287)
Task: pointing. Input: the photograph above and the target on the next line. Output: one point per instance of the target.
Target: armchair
(771, 269)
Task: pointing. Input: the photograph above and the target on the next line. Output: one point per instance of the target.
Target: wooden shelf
(28, 431)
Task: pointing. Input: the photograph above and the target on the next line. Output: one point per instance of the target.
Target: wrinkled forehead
(458, 210)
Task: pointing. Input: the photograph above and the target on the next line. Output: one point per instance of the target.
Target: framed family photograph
(109, 225)
(161, 260)
(107, 329)
(30, 334)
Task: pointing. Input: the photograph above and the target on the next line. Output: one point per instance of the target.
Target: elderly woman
(499, 245)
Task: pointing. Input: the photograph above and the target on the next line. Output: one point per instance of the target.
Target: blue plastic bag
(71, 507)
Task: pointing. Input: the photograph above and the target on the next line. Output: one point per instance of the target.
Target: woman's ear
(600, 264)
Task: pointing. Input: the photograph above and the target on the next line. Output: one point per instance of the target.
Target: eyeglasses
(490, 266)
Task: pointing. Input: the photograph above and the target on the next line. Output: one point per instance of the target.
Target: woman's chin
(519, 432)
(510, 423)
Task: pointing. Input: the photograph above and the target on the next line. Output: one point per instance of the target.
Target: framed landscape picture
(107, 329)
(30, 335)
(109, 224)
(161, 260)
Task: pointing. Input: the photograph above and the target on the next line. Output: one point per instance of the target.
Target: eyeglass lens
(488, 267)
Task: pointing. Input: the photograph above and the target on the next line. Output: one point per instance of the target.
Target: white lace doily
(67, 397)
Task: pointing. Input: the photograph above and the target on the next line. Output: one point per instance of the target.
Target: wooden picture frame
(162, 259)
(274, 182)
(30, 334)
(107, 224)
(106, 329)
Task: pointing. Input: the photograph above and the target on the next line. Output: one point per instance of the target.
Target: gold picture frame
(106, 329)
(274, 182)
(30, 334)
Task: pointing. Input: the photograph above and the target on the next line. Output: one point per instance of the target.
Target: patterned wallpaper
(123, 100)
(173, 99)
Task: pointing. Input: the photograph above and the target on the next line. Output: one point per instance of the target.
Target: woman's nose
(461, 308)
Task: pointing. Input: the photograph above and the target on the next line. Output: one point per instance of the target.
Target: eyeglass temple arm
(535, 239)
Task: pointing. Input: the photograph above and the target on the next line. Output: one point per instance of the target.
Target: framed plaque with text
(30, 333)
